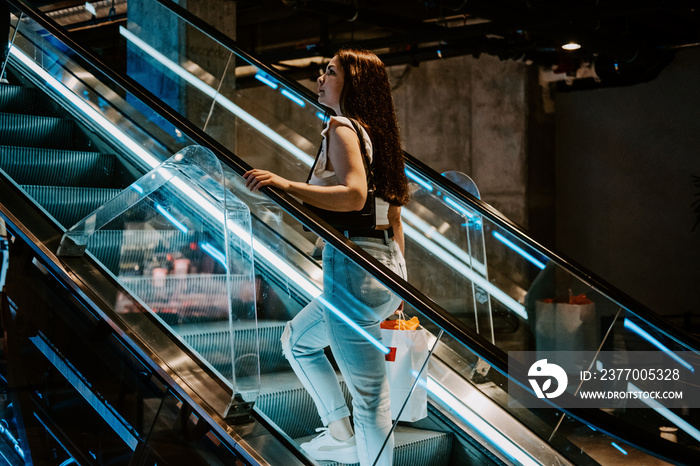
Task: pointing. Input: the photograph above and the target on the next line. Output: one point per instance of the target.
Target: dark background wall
(624, 164)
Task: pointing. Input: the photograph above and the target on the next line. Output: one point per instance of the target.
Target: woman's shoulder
(344, 128)
(336, 122)
(341, 128)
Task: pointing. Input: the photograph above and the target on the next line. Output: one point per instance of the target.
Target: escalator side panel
(161, 424)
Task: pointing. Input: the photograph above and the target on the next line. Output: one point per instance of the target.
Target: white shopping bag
(408, 350)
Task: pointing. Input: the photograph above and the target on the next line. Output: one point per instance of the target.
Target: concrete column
(189, 48)
(470, 115)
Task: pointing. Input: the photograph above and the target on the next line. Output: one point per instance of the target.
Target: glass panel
(194, 442)
(182, 244)
(124, 124)
(220, 91)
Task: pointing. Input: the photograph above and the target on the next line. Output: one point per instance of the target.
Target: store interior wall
(625, 160)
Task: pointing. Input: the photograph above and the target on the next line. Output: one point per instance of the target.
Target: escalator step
(54, 167)
(287, 403)
(36, 131)
(211, 341)
(423, 447)
(414, 447)
(17, 99)
(69, 205)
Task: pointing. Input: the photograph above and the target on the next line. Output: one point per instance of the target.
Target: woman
(355, 86)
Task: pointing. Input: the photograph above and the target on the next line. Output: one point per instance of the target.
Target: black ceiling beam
(362, 15)
(501, 24)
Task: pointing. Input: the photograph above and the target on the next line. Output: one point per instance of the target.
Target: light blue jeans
(351, 292)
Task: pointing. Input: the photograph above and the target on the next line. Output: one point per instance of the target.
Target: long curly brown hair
(366, 97)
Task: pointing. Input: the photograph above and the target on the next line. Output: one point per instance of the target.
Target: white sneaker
(325, 447)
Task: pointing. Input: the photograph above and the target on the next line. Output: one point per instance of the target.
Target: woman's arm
(344, 157)
(395, 223)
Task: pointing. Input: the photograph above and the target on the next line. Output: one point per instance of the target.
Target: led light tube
(644, 334)
(667, 413)
(265, 80)
(354, 325)
(430, 233)
(419, 180)
(171, 219)
(618, 447)
(214, 253)
(293, 98)
(518, 249)
(452, 203)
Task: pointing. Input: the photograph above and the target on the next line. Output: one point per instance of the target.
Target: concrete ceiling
(623, 41)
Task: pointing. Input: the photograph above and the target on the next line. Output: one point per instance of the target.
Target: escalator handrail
(466, 336)
(453, 189)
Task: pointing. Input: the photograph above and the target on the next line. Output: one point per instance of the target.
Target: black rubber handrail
(451, 188)
(641, 440)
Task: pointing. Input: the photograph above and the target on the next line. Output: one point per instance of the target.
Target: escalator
(120, 373)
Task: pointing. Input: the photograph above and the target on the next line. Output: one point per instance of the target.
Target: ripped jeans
(351, 292)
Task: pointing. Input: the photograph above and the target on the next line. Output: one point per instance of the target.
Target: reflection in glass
(180, 242)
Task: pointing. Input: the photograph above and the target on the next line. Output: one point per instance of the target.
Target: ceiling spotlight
(571, 46)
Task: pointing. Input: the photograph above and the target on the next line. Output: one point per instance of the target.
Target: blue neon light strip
(667, 413)
(77, 381)
(137, 188)
(354, 325)
(644, 334)
(419, 180)
(618, 447)
(293, 98)
(518, 249)
(171, 219)
(458, 207)
(213, 252)
(265, 80)
(321, 116)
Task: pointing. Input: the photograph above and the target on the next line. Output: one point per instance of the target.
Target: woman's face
(330, 85)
